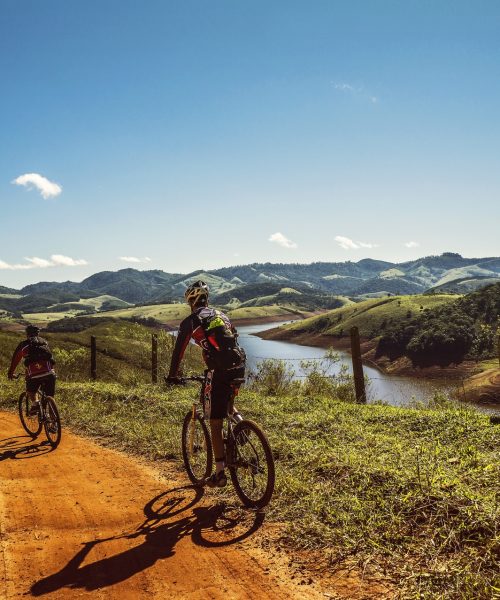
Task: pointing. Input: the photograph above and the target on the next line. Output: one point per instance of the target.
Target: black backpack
(38, 351)
(222, 349)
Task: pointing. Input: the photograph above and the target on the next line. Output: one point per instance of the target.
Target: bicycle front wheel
(252, 465)
(196, 448)
(31, 423)
(52, 422)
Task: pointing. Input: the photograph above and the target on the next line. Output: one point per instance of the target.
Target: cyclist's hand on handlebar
(174, 380)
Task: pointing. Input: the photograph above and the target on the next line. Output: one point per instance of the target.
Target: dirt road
(88, 521)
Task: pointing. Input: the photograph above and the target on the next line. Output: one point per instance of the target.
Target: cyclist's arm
(183, 337)
(19, 353)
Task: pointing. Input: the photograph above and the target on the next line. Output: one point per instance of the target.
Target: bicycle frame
(232, 419)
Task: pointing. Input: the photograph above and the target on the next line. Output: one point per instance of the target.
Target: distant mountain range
(366, 278)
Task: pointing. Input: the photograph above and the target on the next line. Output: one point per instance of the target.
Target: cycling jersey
(37, 363)
(192, 327)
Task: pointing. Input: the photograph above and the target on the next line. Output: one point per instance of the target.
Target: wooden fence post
(498, 346)
(93, 357)
(154, 358)
(357, 366)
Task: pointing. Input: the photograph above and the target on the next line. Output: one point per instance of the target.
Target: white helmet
(196, 292)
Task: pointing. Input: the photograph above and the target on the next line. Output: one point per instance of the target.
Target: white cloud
(353, 90)
(412, 244)
(345, 87)
(48, 189)
(348, 244)
(281, 240)
(40, 263)
(56, 260)
(135, 259)
(366, 245)
(345, 243)
(7, 267)
(66, 261)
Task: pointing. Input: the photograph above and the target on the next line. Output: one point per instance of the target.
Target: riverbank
(271, 319)
(469, 372)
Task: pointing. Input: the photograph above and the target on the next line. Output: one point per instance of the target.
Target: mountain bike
(47, 416)
(248, 454)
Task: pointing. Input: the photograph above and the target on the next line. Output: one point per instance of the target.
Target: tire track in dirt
(89, 521)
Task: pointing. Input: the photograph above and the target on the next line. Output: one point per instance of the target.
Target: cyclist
(39, 365)
(211, 329)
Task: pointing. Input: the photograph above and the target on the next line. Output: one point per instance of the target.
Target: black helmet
(32, 330)
(196, 293)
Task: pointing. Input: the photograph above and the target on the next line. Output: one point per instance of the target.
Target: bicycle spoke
(252, 471)
(196, 448)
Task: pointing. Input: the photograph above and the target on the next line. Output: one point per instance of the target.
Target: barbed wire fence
(393, 389)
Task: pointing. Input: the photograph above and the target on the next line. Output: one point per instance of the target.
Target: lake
(393, 389)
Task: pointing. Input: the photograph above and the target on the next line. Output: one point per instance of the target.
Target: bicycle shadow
(160, 532)
(21, 447)
(212, 526)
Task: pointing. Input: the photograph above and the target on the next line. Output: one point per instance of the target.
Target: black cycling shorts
(48, 382)
(221, 391)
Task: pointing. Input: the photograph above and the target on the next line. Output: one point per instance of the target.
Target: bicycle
(248, 454)
(47, 416)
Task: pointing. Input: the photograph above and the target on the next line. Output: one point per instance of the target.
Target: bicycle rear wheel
(196, 448)
(52, 422)
(252, 465)
(31, 423)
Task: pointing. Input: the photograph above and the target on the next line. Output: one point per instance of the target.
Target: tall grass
(413, 493)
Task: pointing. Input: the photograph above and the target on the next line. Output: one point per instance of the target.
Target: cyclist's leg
(234, 377)
(223, 391)
(49, 385)
(32, 386)
(221, 394)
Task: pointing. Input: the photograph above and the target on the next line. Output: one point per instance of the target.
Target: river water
(393, 389)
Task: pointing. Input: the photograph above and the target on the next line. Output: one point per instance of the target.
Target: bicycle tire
(247, 463)
(198, 460)
(31, 424)
(52, 422)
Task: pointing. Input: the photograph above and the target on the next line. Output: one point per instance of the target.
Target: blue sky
(189, 134)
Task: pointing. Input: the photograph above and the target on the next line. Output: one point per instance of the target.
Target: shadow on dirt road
(208, 526)
(22, 447)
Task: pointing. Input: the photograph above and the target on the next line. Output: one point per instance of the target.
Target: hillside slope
(360, 279)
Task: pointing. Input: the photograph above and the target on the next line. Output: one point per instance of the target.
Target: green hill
(124, 350)
(467, 327)
(463, 286)
(363, 279)
(300, 296)
(371, 317)
(8, 291)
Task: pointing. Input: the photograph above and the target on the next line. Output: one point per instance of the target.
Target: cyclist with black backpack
(212, 330)
(39, 365)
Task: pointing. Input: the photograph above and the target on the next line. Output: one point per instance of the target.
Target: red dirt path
(88, 521)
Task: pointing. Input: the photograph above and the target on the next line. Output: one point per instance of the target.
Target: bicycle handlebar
(198, 378)
(184, 380)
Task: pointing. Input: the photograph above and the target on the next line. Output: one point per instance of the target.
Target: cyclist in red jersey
(212, 330)
(39, 365)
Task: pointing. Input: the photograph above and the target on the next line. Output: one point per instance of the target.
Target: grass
(257, 312)
(98, 301)
(413, 493)
(164, 313)
(45, 318)
(369, 316)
